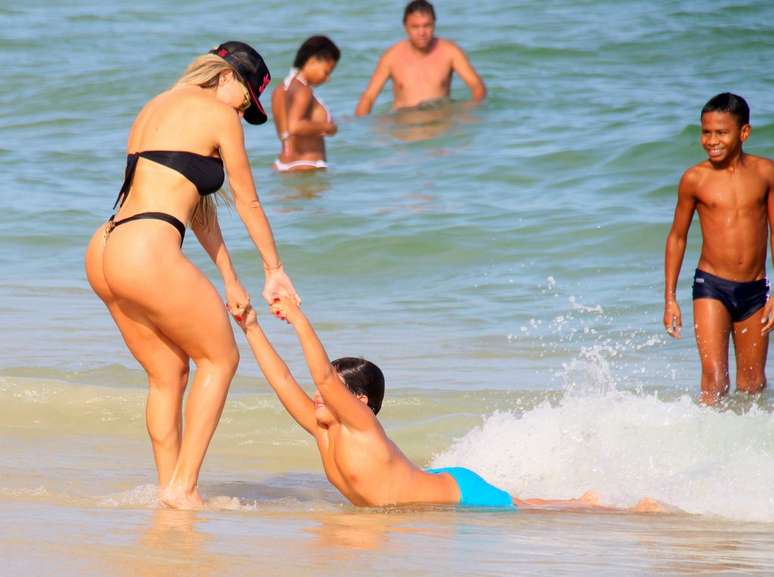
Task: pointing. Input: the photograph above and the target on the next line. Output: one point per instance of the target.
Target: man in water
(732, 192)
(421, 66)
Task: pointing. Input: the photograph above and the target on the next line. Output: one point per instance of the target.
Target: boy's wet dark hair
(731, 103)
(320, 47)
(418, 6)
(362, 377)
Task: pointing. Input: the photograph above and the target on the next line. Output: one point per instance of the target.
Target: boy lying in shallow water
(358, 457)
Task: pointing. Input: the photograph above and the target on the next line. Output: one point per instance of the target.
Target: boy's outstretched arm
(675, 251)
(338, 398)
(291, 395)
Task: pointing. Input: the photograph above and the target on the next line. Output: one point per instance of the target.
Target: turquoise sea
(502, 264)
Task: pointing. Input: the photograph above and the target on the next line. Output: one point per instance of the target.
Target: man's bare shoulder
(448, 46)
(395, 51)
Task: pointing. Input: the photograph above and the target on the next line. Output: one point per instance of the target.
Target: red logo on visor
(222, 52)
(266, 80)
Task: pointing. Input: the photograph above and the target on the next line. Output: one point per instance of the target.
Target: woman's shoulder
(297, 87)
(187, 97)
(171, 111)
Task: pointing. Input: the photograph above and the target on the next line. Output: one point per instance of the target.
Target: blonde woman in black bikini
(301, 118)
(167, 311)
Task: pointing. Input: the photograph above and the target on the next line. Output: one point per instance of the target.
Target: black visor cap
(253, 70)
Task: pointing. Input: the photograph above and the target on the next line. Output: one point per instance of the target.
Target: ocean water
(502, 264)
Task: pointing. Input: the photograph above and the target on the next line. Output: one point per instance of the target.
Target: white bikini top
(293, 74)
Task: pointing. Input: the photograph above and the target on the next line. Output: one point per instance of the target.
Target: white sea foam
(146, 497)
(626, 446)
(140, 496)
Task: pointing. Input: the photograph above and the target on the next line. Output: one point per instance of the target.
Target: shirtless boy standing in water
(358, 457)
(732, 192)
(421, 66)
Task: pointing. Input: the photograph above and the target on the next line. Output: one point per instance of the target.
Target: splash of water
(627, 446)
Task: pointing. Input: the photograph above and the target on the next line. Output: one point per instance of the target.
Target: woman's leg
(164, 362)
(206, 336)
(167, 367)
(180, 303)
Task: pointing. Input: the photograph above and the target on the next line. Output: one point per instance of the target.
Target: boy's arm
(349, 410)
(675, 251)
(768, 309)
(289, 392)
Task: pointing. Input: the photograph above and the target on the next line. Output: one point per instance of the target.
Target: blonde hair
(205, 72)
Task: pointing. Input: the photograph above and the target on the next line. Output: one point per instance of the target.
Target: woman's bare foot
(175, 498)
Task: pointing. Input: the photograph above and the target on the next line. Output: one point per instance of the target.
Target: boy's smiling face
(721, 136)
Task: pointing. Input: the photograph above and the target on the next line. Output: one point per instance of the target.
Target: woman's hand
(330, 128)
(237, 299)
(278, 285)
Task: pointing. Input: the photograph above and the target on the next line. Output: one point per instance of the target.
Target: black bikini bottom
(112, 223)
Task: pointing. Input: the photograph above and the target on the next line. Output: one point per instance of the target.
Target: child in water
(732, 192)
(358, 457)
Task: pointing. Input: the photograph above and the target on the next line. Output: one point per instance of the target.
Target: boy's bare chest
(338, 451)
(733, 191)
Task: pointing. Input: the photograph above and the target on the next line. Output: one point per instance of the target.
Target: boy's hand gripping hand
(237, 298)
(286, 309)
(673, 319)
(246, 318)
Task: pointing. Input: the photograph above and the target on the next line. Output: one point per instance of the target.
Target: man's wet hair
(731, 103)
(320, 47)
(362, 377)
(418, 6)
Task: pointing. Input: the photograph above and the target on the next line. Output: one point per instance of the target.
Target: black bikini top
(205, 172)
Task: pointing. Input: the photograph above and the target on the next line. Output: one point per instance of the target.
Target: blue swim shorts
(474, 491)
(741, 299)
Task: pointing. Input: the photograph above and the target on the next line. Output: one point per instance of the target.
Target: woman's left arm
(240, 179)
(211, 239)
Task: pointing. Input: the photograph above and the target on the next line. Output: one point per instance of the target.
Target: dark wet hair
(362, 377)
(320, 47)
(418, 6)
(731, 103)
